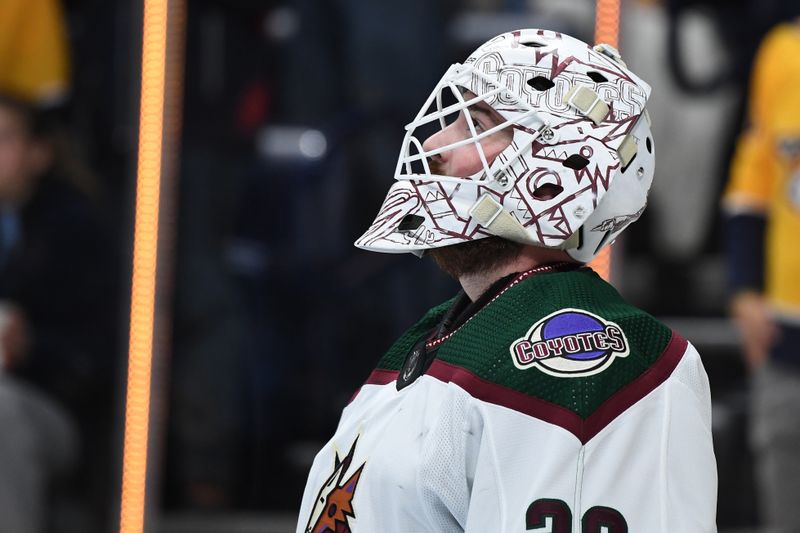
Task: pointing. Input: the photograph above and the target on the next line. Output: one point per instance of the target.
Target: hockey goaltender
(536, 399)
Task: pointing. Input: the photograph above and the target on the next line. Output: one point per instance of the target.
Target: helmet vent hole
(597, 77)
(540, 83)
(410, 223)
(575, 162)
(649, 145)
(533, 44)
(547, 191)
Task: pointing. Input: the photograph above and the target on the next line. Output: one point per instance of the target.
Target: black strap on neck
(419, 359)
(464, 308)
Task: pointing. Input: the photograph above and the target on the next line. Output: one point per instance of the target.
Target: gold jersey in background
(765, 172)
(34, 59)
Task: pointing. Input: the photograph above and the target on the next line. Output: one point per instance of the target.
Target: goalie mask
(537, 138)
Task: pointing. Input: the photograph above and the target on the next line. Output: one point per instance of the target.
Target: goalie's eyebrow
(483, 108)
(486, 111)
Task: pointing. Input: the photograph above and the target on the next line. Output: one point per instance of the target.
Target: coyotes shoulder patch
(570, 343)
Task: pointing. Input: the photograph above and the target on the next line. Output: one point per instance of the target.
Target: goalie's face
(464, 161)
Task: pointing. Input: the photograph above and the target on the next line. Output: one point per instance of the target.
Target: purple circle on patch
(570, 323)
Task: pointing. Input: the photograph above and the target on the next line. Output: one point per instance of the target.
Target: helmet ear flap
(626, 199)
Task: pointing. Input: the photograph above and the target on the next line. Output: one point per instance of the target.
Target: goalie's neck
(530, 257)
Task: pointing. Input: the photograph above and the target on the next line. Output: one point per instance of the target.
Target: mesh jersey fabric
(442, 485)
(481, 345)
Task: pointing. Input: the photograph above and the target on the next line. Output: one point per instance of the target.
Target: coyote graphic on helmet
(334, 504)
(619, 222)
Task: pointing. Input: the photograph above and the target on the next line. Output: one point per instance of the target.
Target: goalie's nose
(441, 138)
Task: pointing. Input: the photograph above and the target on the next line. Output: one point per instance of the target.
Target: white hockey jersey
(555, 407)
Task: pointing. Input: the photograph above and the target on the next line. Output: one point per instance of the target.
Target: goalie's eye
(476, 121)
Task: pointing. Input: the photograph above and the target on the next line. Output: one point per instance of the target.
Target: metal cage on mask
(457, 77)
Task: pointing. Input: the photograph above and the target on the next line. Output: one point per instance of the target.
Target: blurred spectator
(57, 319)
(38, 448)
(762, 203)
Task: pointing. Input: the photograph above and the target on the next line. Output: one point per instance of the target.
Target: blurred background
(293, 112)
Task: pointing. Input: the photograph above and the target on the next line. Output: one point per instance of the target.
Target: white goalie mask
(565, 161)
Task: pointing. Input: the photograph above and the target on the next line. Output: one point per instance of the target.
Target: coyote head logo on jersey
(334, 504)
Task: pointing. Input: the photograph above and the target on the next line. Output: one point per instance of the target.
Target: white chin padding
(626, 198)
(493, 216)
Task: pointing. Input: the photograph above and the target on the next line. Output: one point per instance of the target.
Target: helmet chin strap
(491, 215)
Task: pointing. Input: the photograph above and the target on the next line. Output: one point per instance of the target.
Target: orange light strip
(606, 30)
(145, 247)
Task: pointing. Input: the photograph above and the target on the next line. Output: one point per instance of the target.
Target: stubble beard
(473, 257)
